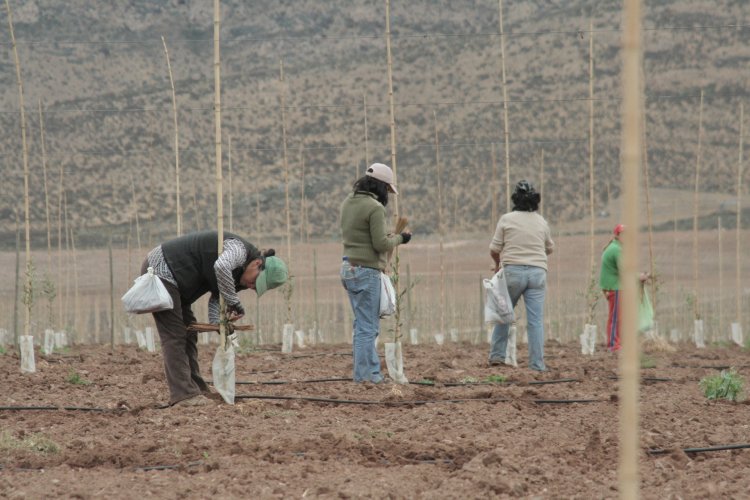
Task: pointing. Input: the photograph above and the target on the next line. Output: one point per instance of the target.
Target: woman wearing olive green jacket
(366, 244)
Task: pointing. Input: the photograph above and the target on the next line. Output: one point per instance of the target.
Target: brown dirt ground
(265, 448)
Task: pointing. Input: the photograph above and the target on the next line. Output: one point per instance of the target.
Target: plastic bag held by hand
(148, 294)
(387, 296)
(498, 308)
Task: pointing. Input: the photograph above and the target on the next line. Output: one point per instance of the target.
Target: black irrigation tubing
(701, 450)
(413, 402)
(67, 408)
(647, 379)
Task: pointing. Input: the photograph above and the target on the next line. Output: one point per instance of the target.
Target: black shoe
(496, 362)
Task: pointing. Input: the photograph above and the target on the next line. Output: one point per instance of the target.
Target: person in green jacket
(609, 282)
(366, 245)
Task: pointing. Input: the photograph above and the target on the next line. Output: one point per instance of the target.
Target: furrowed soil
(465, 436)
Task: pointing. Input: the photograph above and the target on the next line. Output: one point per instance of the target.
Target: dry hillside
(99, 71)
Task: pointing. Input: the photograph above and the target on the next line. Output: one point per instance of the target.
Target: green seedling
(2, 350)
(75, 378)
(426, 381)
(495, 379)
(205, 455)
(648, 362)
(469, 380)
(727, 385)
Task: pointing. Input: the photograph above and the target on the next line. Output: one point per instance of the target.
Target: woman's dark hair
(525, 198)
(372, 185)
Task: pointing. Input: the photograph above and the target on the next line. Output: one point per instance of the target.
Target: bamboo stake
(61, 188)
(304, 230)
(591, 150)
(628, 483)
(738, 274)
(176, 141)
(231, 187)
(29, 264)
(541, 182)
(17, 281)
(367, 149)
(392, 109)
(494, 188)
(46, 190)
(217, 142)
(440, 225)
(721, 283)
(506, 132)
(647, 193)
(315, 294)
(592, 291)
(282, 98)
(695, 210)
(68, 268)
(674, 264)
(76, 287)
(111, 297)
(134, 203)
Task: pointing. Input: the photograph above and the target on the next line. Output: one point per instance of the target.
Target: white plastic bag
(498, 308)
(148, 294)
(222, 370)
(387, 296)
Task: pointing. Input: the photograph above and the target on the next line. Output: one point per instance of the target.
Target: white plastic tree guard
(287, 338)
(27, 354)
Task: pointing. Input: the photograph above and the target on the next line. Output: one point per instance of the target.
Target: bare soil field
(546, 435)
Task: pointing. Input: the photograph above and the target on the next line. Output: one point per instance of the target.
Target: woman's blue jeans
(531, 282)
(362, 284)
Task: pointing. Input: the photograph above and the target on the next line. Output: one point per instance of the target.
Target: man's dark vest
(191, 259)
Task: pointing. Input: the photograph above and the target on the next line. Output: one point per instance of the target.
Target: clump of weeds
(727, 385)
(75, 378)
(495, 379)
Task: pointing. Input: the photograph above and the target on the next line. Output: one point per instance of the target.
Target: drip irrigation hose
(647, 379)
(67, 408)
(701, 450)
(412, 402)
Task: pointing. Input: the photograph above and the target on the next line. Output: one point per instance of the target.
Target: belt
(356, 264)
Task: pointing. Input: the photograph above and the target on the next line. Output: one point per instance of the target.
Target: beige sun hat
(383, 173)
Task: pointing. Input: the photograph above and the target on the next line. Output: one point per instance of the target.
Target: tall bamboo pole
(696, 309)
(61, 188)
(17, 281)
(304, 230)
(176, 141)
(231, 186)
(628, 483)
(494, 188)
(506, 131)
(46, 189)
(392, 109)
(367, 145)
(649, 218)
(721, 281)
(134, 203)
(217, 155)
(111, 297)
(282, 99)
(541, 181)
(738, 264)
(440, 224)
(592, 291)
(591, 152)
(29, 265)
(674, 264)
